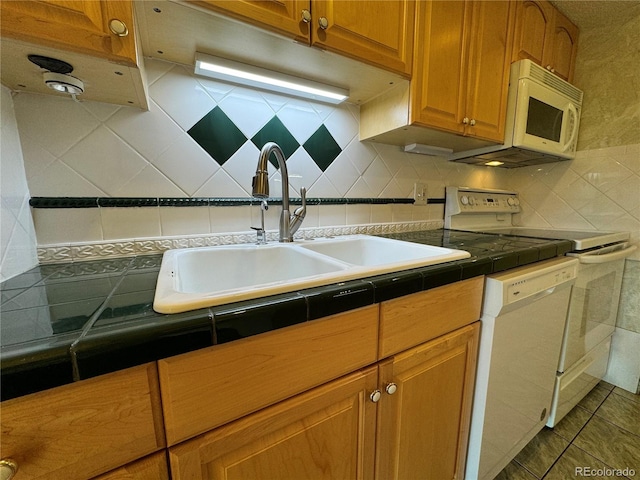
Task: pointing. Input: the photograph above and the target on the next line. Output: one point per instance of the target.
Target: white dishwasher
(523, 319)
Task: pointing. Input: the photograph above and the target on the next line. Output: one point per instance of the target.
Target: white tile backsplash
(17, 233)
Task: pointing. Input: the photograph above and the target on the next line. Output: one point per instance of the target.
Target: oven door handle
(607, 257)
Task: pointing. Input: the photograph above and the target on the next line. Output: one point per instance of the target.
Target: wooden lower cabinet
(423, 427)
(356, 427)
(81, 430)
(327, 433)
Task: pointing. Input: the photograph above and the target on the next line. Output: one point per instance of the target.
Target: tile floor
(602, 432)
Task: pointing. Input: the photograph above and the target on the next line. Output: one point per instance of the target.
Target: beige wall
(608, 71)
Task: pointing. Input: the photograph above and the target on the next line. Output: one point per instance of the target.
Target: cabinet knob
(8, 468)
(306, 16)
(323, 22)
(391, 388)
(472, 122)
(465, 120)
(375, 396)
(549, 68)
(118, 27)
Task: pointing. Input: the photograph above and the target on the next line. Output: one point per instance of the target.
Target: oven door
(594, 301)
(545, 120)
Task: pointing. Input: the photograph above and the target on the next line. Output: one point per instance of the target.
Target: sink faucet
(289, 223)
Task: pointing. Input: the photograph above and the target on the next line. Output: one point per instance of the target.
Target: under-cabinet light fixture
(236, 72)
(494, 163)
(427, 150)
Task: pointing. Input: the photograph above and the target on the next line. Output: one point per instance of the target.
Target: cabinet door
(423, 427)
(80, 26)
(437, 87)
(378, 32)
(561, 47)
(86, 428)
(281, 16)
(532, 25)
(326, 433)
(488, 70)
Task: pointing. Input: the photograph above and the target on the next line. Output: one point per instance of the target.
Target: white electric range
(594, 298)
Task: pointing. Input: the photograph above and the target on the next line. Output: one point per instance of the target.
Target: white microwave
(542, 121)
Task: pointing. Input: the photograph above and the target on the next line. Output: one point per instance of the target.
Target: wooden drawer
(408, 321)
(153, 467)
(205, 389)
(84, 429)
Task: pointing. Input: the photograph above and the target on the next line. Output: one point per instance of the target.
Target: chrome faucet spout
(260, 186)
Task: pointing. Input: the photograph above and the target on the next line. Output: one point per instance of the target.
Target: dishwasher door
(523, 320)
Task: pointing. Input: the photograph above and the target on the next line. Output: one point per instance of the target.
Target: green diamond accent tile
(322, 148)
(217, 135)
(275, 131)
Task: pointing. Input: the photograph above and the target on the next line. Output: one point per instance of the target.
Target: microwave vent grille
(547, 78)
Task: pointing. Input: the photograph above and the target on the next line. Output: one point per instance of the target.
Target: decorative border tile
(124, 202)
(62, 253)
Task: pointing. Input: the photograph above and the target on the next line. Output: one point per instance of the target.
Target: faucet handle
(300, 212)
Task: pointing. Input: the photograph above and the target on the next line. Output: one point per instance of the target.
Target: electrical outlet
(419, 194)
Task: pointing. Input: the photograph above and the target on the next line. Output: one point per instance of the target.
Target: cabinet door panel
(280, 16)
(561, 54)
(83, 429)
(423, 428)
(80, 26)
(326, 433)
(489, 64)
(437, 88)
(533, 18)
(379, 32)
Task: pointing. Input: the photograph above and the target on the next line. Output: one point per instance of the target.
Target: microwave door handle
(573, 111)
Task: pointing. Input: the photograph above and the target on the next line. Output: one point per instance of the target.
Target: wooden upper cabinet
(533, 22)
(286, 17)
(561, 53)
(437, 87)
(378, 32)
(545, 36)
(79, 26)
(489, 69)
(462, 58)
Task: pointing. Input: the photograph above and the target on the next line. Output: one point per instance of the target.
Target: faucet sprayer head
(260, 184)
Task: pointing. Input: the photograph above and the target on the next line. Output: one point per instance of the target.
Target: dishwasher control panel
(539, 283)
(531, 281)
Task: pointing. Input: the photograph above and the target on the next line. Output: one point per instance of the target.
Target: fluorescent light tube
(236, 72)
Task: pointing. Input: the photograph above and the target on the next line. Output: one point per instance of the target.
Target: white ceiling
(588, 14)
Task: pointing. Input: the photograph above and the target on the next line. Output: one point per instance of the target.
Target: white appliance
(595, 296)
(523, 318)
(543, 116)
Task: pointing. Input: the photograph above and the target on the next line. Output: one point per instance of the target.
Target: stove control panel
(467, 200)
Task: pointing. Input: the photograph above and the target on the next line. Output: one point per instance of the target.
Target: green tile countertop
(67, 322)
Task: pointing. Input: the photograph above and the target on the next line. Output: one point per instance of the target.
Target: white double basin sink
(192, 278)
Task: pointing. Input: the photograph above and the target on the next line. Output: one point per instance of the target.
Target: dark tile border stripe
(94, 202)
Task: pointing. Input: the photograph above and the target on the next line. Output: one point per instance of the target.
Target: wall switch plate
(419, 194)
